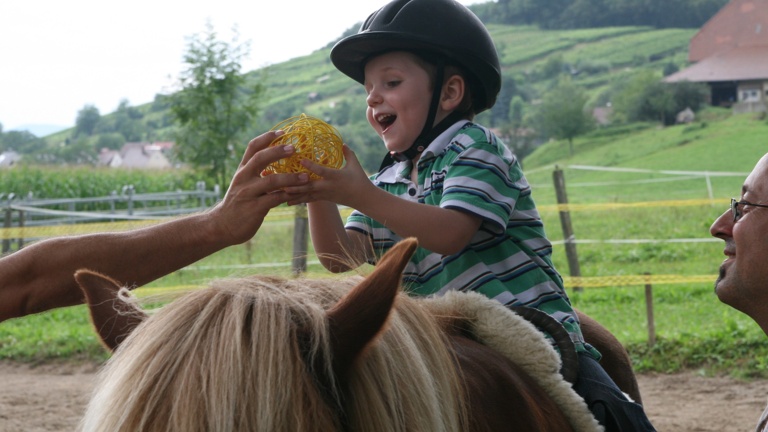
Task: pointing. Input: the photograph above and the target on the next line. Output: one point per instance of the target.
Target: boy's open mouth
(385, 120)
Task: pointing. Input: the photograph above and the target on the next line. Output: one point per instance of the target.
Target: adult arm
(40, 276)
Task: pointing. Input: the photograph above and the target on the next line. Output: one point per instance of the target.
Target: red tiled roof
(738, 23)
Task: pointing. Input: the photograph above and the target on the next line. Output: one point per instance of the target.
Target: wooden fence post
(649, 311)
(565, 223)
(300, 240)
(128, 191)
(7, 224)
(20, 240)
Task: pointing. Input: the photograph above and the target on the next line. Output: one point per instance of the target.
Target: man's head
(743, 279)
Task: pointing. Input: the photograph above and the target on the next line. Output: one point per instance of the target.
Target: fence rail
(34, 219)
(28, 218)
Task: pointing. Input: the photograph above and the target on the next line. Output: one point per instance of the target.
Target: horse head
(356, 353)
(354, 319)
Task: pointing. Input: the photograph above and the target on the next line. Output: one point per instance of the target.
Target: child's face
(399, 92)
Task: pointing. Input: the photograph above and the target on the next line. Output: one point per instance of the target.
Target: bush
(646, 98)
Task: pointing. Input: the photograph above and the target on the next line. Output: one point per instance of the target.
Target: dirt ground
(52, 398)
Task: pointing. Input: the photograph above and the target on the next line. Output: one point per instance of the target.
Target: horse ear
(112, 318)
(361, 314)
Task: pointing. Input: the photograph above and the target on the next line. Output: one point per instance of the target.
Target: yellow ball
(313, 139)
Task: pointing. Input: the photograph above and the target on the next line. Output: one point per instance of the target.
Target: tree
(23, 142)
(516, 112)
(87, 119)
(215, 105)
(661, 103)
(562, 113)
(112, 141)
(128, 122)
(553, 67)
(77, 152)
(500, 110)
(646, 98)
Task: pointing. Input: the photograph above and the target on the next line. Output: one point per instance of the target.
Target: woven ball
(313, 139)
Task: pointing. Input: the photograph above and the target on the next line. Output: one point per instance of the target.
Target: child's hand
(343, 186)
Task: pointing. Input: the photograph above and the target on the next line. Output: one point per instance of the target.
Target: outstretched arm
(40, 276)
(440, 230)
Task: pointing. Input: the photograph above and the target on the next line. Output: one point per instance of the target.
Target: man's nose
(722, 227)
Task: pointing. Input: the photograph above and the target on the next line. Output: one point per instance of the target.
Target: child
(428, 66)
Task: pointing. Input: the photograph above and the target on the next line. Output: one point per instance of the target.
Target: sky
(59, 56)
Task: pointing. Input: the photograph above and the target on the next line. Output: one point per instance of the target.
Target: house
(110, 158)
(138, 155)
(9, 159)
(730, 54)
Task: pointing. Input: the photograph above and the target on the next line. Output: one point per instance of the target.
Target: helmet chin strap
(428, 132)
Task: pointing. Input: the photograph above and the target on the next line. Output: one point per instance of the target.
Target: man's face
(743, 279)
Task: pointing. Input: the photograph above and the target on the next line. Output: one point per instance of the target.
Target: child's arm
(443, 231)
(338, 249)
(440, 230)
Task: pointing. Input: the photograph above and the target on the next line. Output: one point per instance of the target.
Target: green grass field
(632, 224)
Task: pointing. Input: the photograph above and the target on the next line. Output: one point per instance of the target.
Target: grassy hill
(594, 58)
(532, 60)
(716, 141)
(652, 184)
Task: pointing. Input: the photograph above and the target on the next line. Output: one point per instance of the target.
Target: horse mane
(253, 354)
(408, 380)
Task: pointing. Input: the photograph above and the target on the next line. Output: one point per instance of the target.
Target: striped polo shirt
(467, 168)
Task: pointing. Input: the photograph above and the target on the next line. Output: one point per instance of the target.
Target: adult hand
(250, 195)
(345, 186)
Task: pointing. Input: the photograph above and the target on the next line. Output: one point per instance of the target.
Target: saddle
(522, 343)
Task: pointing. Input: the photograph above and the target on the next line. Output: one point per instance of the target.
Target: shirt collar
(399, 171)
(439, 144)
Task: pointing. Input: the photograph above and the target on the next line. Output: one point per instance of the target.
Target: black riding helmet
(443, 27)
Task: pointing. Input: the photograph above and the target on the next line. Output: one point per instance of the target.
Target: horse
(265, 354)
(615, 358)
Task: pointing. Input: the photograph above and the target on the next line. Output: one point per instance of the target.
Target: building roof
(9, 158)
(739, 64)
(139, 155)
(739, 23)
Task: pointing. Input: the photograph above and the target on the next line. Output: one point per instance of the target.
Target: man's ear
(453, 93)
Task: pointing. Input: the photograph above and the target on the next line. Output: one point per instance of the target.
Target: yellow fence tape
(629, 280)
(639, 204)
(74, 229)
(279, 215)
(570, 282)
(282, 215)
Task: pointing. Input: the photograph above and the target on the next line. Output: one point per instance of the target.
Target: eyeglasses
(735, 208)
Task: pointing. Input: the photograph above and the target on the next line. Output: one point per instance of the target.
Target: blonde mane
(248, 354)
